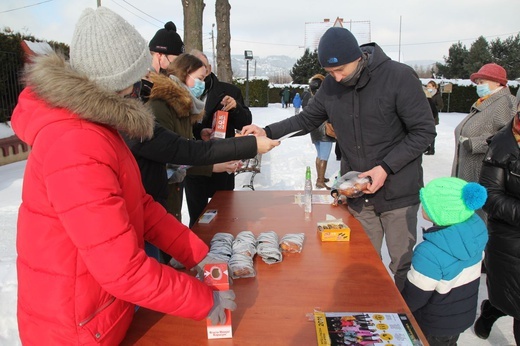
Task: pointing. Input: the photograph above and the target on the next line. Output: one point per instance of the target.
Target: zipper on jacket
(101, 308)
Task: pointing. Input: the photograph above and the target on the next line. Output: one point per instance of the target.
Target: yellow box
(333, 230)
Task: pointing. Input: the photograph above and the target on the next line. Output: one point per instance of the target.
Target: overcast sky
(274, 27)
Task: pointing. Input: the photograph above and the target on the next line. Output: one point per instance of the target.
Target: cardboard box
(219, 125)
(216, 275)
(333, 230)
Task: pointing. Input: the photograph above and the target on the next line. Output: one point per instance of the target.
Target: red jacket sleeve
(95, 189)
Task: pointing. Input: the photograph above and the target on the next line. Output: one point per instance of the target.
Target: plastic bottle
(307, 198)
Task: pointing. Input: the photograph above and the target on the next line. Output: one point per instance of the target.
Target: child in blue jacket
(441, 288)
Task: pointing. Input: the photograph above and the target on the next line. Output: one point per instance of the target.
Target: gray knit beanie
(108, 49)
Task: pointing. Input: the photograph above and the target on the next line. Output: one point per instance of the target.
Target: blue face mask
(483, 90)
(198, 88)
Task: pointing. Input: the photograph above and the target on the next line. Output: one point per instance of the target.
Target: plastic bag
(350, 185)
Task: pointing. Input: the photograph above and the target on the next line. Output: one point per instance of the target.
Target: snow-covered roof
(39, 48)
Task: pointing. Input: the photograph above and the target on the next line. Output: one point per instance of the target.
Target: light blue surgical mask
(483, 90)
(198, 88)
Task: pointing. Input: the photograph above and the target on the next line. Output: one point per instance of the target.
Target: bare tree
(192, 10)
(222, 15)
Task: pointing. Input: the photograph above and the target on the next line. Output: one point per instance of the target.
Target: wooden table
(272, 307)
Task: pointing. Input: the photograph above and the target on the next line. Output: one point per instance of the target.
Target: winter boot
(317, 164)
(321, 167)
(488, 315)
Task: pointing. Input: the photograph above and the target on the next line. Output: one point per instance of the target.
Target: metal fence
(10, 86)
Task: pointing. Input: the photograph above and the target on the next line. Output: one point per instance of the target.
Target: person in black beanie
(165, 46)
(383, 124)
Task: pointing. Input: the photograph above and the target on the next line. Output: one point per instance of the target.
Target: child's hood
(463, 240)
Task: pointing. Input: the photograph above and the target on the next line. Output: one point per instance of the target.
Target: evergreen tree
(478, 56)
(454, 67)
(507, 54)
(11, 62)
(306, 67)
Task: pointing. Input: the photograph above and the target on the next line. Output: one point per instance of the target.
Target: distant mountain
(269, 66)
(273, 66)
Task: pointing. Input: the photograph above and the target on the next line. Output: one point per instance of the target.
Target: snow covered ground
(282, 169)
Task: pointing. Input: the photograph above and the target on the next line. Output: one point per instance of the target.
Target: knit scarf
(516, 128)
(482, 99)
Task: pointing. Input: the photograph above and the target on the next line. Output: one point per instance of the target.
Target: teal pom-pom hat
(448, 201)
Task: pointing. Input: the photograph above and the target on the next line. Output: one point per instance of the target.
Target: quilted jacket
(85, 216)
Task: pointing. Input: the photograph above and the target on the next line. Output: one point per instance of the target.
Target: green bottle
(307, 197)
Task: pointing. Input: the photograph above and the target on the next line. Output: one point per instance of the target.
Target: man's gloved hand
(221, 300)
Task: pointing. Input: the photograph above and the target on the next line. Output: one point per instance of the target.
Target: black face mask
(163, 71)
(352, 78)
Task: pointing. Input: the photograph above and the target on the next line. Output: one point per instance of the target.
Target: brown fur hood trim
(175, 94)
(53, 80)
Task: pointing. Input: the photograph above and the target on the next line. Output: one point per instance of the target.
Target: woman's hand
(230, 167)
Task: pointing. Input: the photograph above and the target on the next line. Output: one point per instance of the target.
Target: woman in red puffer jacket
(85, 215)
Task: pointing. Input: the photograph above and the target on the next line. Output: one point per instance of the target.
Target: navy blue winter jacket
(441, 288)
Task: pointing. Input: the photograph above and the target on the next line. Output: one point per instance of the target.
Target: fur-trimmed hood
(172, 91)
(54, 81)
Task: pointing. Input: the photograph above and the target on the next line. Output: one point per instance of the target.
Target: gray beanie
(108, 49)
(338, 47)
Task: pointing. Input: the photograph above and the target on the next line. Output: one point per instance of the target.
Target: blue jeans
(323, 150)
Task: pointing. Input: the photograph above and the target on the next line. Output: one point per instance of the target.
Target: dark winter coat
(199, 188)
(501, 176)
(438, 101)
(286, 94)
(167, 146)
(435, 112)
(85, 216)
(441, 288)
(238, 117)
(383, 120)
(306, 98)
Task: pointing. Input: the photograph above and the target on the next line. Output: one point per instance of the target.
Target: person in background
(297, 103)
(286, 97)
(494, 108)
(436, 97)
(383, 124)
(436, 104)
(223, 96)
(85, 215)
(442, 285)
(320, 139)
(165, 46)
(500, 175)
(306, 96)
